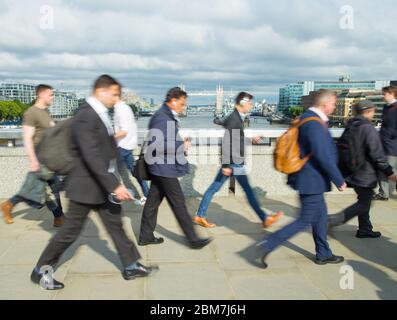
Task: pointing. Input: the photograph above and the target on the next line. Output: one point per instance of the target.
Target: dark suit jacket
(90, 182)
(234, 141)
(375, 159)
(388, 132)
(165, 155)
(322, 168)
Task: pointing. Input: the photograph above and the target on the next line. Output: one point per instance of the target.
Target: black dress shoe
(379, 197)
(369, 234)
(332, 260)
(138, 271)
(154, 241)
(199, 244)
(263, 260)
(45, 282)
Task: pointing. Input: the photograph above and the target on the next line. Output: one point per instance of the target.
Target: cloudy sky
(151, 45)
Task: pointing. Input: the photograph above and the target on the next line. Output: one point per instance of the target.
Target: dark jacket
(388, 132)
(317, 174)
(375, 158)
(165, 155)
(90, 181)
(234, 140)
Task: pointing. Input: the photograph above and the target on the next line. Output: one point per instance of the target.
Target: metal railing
(13, 137)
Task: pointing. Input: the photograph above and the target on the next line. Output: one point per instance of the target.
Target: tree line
(12, 110)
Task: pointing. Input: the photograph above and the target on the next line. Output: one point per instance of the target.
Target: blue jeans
(128, 159)
(54, 206)
(220, 179)
(313, 213)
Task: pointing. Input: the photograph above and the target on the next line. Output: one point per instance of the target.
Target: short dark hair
(175, 93)
(390, 89)
(105, 81)
(243, 96)
(42, 87)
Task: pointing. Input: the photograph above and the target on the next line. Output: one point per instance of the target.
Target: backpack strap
(304, 121)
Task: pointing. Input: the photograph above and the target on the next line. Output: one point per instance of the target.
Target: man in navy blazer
(313, 181)
(166, 162)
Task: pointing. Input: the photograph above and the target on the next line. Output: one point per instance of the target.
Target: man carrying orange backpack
(316, 167)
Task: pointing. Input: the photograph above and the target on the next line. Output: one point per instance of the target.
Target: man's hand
(393, 178)
(187, 144)
(256, 140)
(122, 193)
(34, 166)
(227, 172)
(343, 187)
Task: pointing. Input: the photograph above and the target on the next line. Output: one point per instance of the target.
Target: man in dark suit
(388, 134)
(166, 160)
(90, 186)
(313, 181)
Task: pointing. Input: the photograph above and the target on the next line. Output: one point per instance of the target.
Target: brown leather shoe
(58, 222)
(7, 207)
(270, 220)
(203, 222)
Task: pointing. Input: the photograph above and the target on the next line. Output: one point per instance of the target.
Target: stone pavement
(224, 270)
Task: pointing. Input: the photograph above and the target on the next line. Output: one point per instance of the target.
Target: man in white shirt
(126, 134)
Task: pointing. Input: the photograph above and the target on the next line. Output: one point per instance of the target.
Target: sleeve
(393, 122)
(374, 150)
(29, 119)
(166, 144)
(86, 139)
(323, 152)
(126, 119)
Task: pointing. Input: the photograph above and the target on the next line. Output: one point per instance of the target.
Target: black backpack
(55, 148)
(351, 150)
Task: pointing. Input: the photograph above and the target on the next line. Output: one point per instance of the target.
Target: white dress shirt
(320, 113)
(124, 120)
(392, 102)
(102, 112)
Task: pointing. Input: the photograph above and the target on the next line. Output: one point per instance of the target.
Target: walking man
(313, 180)
(166, 159)
(388, 133)
(364, 144)
(35, 120)
(233, 164)
(89, 185)
(127, 140)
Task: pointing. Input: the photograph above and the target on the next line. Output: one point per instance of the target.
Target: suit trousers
(170, 189)
(313, 213)
(75, 219)
(387, 187)
(361, 209)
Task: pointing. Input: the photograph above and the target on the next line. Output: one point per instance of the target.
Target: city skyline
(242, 44)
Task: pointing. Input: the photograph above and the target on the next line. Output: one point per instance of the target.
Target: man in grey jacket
(233, 163)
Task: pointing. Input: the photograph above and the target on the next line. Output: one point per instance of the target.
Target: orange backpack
(287, 158)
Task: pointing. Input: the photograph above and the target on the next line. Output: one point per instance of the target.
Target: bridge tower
(219, 99)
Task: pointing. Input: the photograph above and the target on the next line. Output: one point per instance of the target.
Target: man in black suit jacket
(92, 180)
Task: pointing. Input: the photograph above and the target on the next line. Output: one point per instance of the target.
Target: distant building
(18, 91)
(291, 95)
(64, 102)
(348, 98)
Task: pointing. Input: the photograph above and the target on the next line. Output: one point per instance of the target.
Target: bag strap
(145, 142)
(304, 121)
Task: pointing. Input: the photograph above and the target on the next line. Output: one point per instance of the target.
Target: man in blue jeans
(127, 139)
(233, 158)
(313, 180)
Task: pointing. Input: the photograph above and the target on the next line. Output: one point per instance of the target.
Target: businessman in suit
(166, 160)
(88, 186)
(313, 181)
